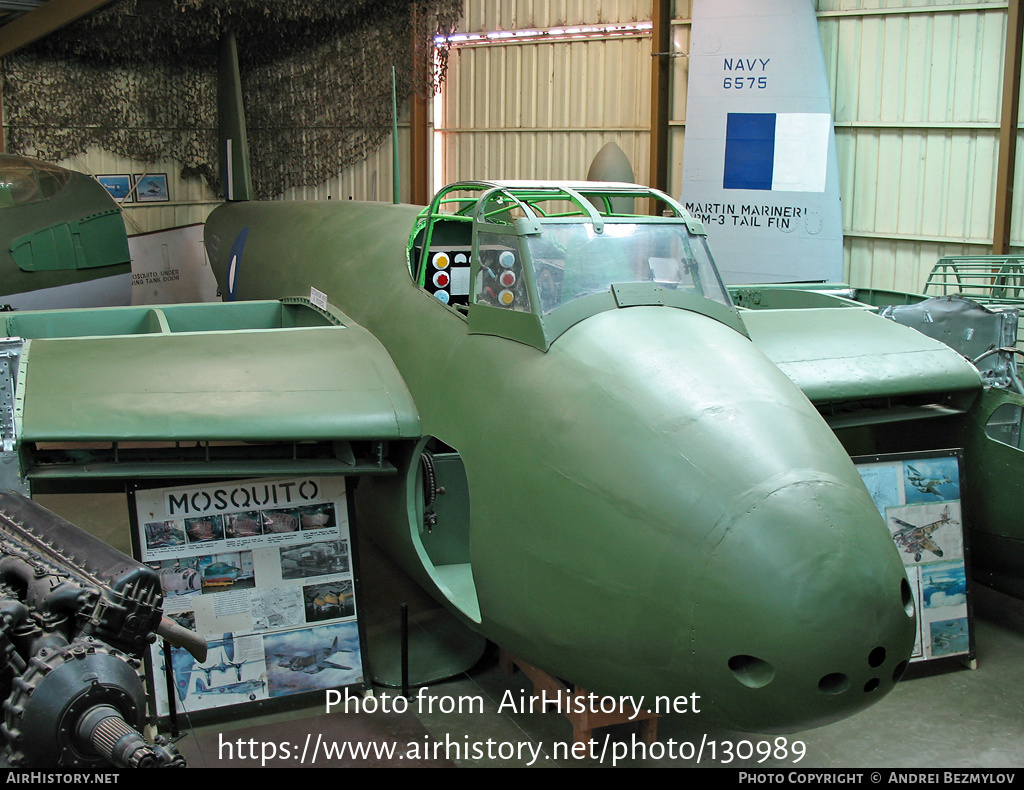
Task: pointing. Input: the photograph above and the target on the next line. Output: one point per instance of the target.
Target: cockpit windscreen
(571, 260)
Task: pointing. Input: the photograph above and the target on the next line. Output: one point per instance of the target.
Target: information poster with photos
(919, 497)
(263, 569)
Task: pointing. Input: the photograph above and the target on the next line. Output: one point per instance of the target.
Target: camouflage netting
(138, 78)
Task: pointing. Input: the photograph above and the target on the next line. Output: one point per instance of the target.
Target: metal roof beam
(44, 20)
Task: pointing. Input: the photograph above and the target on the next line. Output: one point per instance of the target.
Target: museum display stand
(584, 720)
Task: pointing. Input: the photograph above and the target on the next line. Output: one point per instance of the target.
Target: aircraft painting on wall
(933, 484)
(313, 661)
(251, 688)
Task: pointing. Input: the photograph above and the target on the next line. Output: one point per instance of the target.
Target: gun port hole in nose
(834, 683)
(751, 671)
(908, 597)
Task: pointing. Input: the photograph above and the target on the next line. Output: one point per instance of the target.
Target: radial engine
(75, 618)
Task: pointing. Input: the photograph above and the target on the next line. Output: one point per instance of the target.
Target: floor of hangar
(942, 715)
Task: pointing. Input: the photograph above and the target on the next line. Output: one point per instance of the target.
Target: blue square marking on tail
(749, 150)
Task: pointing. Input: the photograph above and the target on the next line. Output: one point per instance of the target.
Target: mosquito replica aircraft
(627, 458)
(622, 466)
(582, 378)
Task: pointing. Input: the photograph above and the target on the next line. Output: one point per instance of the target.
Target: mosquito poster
(919, 496)
(263, 569)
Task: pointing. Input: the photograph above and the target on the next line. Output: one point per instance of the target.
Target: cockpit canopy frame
(24, 180)
(504, 254)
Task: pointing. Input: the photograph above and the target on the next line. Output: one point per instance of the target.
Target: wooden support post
(661, 63)
(573, 704)
(419, 125)
(1008, 129)
(419, 132)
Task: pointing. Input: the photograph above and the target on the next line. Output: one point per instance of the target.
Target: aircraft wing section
(842, 354)
(255, 372)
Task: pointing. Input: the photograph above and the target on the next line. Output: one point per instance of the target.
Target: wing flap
(284, 383)
(844, 354)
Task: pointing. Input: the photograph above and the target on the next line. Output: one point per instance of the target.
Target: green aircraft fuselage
(62, 238)
(652, 506)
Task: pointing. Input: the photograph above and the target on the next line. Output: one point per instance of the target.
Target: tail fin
(234, 144)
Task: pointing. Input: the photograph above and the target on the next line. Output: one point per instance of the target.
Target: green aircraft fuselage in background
(62, 239)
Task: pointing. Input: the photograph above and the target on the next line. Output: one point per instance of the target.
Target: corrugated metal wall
(370, 179)
(916, 89)
(678, 74)
(916, 95)
(543, 109)
(490, 15)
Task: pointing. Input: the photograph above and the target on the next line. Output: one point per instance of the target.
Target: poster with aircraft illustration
(919, 497)
(263, 570)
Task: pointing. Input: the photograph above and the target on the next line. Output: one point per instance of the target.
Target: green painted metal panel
(847, 354)
(83, 243)
(996, 487)
(260, 384)
(62, 227)
(202, 317)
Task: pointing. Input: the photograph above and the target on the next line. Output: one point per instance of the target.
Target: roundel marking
(234, 262)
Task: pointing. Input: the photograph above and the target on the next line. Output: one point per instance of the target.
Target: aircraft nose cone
(823, 618)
